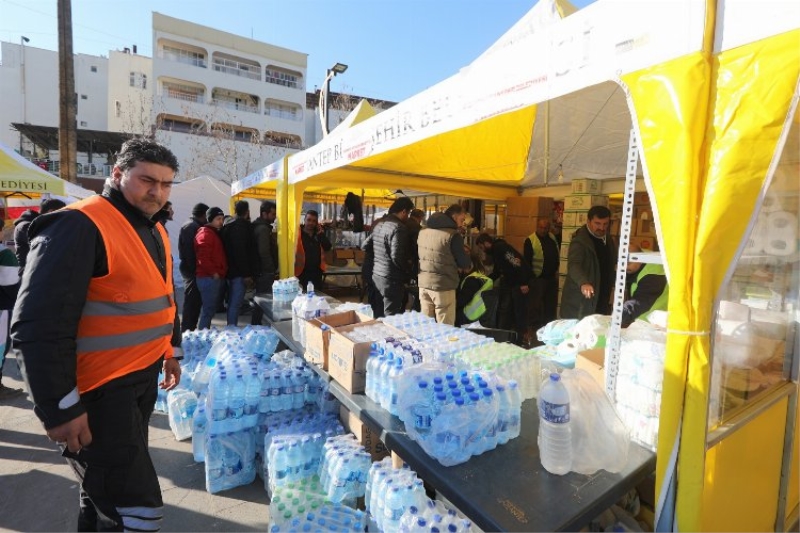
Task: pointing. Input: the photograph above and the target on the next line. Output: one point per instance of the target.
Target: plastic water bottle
(423, 410)
(503, 414)
(515, 406)
(555, 438)
(393, 377)
(199, 431)
(214, 469)
(237, 401)
(252, 397)
(218, 397)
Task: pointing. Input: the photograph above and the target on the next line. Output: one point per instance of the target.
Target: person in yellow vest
(471, 298)
(541, 251)
(309, 257)
(94, 324)
(649, 290)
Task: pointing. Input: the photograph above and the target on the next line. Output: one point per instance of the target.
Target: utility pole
(67, 127)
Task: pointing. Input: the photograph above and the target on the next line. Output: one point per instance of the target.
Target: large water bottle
(298, 390)
(297, 322)
(422, 410)
(275, 385)
(237, 402)
(199, 431)
(218, 398)
(252, 397)
(394, 376)
(555, 438)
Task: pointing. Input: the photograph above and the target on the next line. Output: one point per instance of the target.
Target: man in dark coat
(192, 301)
(267, 245)
(391, 242)
(240, 250)
(591, 263)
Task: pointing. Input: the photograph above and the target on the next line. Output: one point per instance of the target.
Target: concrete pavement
(39, 492)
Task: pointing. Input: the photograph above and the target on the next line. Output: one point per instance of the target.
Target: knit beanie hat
(199, 210)
(213, 213)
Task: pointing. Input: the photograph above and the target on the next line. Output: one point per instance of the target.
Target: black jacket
(188, 264)
(21, 242)
(391, 246)
(509, 263)
(266, 246)
(240, 248)
(67, 251)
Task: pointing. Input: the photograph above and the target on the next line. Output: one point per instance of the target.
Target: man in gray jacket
(391, 245)
(441, 256)
(591, 262)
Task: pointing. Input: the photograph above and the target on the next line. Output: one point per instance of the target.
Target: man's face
(269, 216)
(218, 221)
(543, 228)
(485, 246)
(311, 224)
(146, 186)
(598, 226)
(460, 218)
(403, 215)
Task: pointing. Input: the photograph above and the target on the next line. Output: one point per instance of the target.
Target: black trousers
(119, 485)
(543, 301)
(192, 303)
(393, 293)
(374, 299)
(513, 310)
(314, 276)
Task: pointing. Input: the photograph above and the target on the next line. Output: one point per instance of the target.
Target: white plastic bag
(599, 438)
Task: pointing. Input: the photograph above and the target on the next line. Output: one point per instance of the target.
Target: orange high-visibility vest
(300, 256)
(129, 314)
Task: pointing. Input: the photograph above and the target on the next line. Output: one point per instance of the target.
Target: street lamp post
(22, 41)
(338, 68)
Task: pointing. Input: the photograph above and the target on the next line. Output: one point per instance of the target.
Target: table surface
(280, 311)
(505, 489)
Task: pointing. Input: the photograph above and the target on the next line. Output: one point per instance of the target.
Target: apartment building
(226, 105)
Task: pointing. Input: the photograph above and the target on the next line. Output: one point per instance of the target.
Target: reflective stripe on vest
(476, 307)
(538, 253)
(128, 318)
(662, 302)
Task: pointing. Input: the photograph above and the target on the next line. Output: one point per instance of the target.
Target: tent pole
(546, 141)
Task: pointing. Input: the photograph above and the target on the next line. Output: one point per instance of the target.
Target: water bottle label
(556, 413)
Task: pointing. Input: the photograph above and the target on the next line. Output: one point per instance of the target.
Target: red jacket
(210, 253)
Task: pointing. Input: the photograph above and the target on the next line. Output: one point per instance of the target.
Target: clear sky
(394, 48)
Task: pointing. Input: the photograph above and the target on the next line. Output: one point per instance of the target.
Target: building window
(281, 111)
(279, 77)
(138, 79)
(84, 123)
(184, 56)
(94, 69)
(117, 108)
(84, 97)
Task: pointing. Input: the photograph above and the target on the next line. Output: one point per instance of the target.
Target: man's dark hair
(403, 203)
(417, 213)
(313, 213)
(598, 211)
(241, 208)
(453, 210)
(136, 150)
(51, 204)
(267, 206)
(484, 237)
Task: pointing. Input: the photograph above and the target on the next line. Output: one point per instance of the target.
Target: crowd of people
(452, 283)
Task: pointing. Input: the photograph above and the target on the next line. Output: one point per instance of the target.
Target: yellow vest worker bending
(94, 324)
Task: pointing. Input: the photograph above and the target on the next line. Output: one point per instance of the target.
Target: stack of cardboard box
(522, 215)
(643, 227)
(586, 194)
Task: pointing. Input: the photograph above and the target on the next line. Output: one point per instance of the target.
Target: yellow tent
(712, 89)
(17, 174)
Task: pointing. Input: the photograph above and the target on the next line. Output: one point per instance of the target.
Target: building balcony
(236, 66)
(235, 106)
(182, 53)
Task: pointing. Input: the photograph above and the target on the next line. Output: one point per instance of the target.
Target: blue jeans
(209, 289)
(235, 299)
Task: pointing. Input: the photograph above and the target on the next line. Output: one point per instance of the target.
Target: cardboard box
(586, 186)
(317, 340)
(347, 360)
(574, 218)
(645, 225)
(578, 202)
(529, 206)
(641, 199)
(519, 225)
(593, 361)
(645, 243)
(366, 436)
